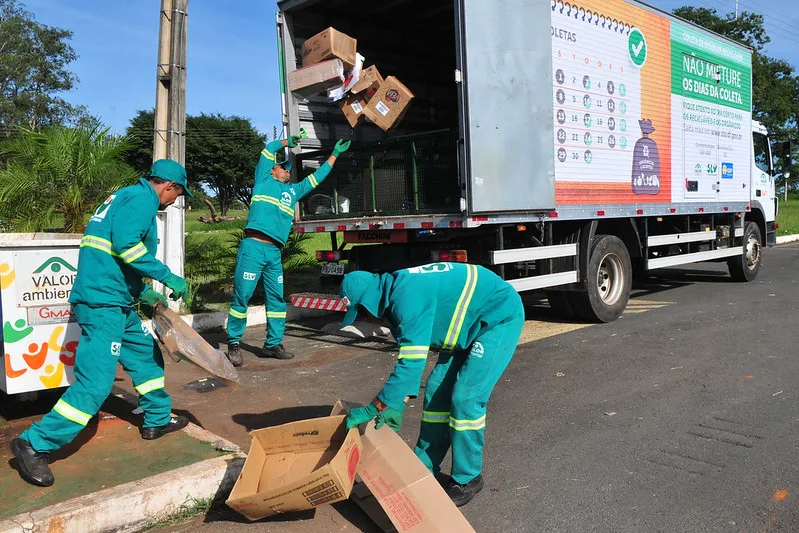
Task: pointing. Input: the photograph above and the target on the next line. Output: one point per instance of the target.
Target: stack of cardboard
(331, 64)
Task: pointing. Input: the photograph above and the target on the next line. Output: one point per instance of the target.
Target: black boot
(175, 423)
(32, 464)
(463, 494)
(234, 354)
(277, 352)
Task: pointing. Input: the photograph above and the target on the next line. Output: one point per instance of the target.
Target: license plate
(333, 269)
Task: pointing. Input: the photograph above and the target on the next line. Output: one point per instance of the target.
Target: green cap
(170, 170)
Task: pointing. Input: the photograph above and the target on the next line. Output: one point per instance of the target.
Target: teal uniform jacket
(118, 249)
(272, 204)
(445, 306)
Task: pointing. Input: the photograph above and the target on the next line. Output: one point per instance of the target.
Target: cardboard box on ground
(303, 464)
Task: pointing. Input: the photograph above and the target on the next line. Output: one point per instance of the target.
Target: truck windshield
(762, 158)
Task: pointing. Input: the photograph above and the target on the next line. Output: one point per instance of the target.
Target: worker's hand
(152, 298)
(391, 418)
(361, 415)
(180, 289)
(341, 147)
(293, 141)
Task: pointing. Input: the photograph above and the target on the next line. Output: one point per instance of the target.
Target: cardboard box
(329, 44)
(352, 107)
(368, 80)
(297, 466)
(390, 104)
(316, 79)
(405, 489)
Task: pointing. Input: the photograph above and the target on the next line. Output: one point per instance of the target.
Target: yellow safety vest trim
(275, 314)
(458, 317)
(133, 253)
(413, 352)
(313, 181)
(150, 386)
(70, 413)
(238, 314)
(435, 417)
(273, 201)
(267, 154)
(467, 425)
(98, 243)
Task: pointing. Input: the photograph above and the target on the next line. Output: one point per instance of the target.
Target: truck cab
(764, 200)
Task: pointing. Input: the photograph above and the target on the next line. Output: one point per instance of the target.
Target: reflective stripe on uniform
(97, 243)
(413, 352)
(267, 154)
(313, 181)
(435, 417)
(274, 201)
(467, 425)
(70, 413)
(238, 314)
(456, 324)
(276, 314)
(133, 253)
(150, 386)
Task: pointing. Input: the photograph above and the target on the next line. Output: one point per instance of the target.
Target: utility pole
(736, 9)
(169, 141)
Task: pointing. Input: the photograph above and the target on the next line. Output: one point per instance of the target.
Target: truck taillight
(449, 256)
(328, 255)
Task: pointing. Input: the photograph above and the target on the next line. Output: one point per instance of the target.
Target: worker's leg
(487, 360)
(434, 434)
(95, 366)
(249, 263)
(272, 277)
(142, 360)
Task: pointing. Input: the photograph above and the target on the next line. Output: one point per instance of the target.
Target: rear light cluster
(328, 255)
(449, 256)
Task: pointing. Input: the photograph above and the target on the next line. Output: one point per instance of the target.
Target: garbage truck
(565, 145)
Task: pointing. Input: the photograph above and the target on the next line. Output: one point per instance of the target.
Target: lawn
(788, 217)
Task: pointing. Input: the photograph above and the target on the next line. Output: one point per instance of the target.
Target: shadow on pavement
(252, 421)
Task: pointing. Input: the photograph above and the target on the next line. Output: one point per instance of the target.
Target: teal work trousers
(258, 260)
(456, 395)
(109, 336)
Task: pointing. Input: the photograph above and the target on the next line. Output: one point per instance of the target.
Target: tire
(560, 302)
(608, 281)
(746, 266)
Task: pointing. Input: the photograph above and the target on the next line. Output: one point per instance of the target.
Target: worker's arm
(266, 161)
(313, 180)
(130, 223)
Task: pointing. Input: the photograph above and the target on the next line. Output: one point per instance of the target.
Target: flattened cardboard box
(316, 79)
(405, 489)
(297, 466)
(329, 44)
(360, 95)
(390, 104)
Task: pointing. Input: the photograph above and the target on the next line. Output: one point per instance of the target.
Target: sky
(232, 52)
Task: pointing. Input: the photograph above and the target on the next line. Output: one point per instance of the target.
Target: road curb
(785, 239)
(132, 506)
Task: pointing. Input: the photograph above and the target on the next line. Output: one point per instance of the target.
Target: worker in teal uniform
(268, 224)
(116, 252)
(475, 319)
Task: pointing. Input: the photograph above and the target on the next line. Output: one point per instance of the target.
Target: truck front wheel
(746, 266)
(609, 279)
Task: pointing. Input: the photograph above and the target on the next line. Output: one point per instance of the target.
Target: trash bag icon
(646, 162)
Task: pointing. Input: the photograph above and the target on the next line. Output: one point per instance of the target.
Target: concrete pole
(169, 140)
(736, 9)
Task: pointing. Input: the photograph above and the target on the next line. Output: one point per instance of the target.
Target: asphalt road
(681, 416)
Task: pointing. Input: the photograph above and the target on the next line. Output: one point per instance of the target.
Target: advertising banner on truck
(647, 109)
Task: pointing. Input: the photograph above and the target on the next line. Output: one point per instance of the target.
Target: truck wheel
(746, 266)
(608, 282)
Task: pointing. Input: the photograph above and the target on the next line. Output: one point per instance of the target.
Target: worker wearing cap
(116, 252)
(475, 319)
(259, 257)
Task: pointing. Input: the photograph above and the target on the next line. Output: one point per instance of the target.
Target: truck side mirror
(784, 154)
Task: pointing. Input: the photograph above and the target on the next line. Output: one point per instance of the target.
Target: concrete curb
(785, 239)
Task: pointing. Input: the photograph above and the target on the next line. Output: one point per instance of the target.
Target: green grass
(788, 216)
(187, 510)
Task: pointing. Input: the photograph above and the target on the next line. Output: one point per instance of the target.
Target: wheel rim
(610, 278)
(752, 252)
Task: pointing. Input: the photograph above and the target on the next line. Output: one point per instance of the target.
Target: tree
(59, 175)
(775, 96)
(221, 153)
(33, 70)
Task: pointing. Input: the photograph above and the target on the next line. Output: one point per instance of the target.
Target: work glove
(341, 147)
(152, 298)
(293, 141)
(180, 289)
(361, 415)
(390, 417)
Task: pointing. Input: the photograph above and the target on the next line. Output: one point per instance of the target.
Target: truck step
(310, 300)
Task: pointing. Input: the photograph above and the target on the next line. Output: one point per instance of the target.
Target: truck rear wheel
(608, 282)
(746, 266)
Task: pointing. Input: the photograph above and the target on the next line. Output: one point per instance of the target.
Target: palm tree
(56, 176)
